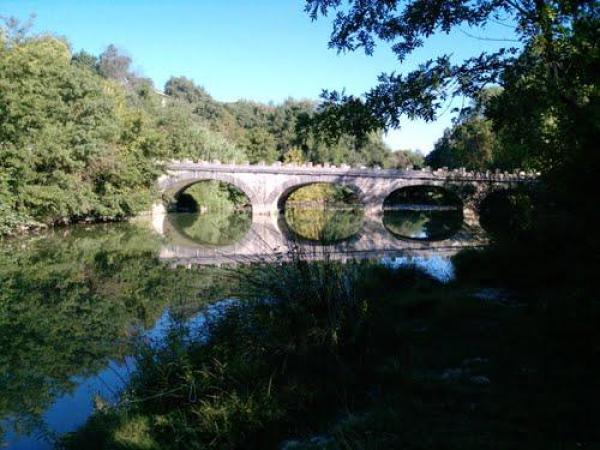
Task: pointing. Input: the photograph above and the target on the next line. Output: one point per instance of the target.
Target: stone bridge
(268, 186)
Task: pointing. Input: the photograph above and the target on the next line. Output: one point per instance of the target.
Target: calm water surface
(423, 225)
(323, 225)
(75, 302)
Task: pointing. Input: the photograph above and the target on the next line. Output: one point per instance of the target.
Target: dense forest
(81, 135)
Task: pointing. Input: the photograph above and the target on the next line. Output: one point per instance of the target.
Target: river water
(77, 301)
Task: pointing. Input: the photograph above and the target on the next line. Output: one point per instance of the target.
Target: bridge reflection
(268, 240)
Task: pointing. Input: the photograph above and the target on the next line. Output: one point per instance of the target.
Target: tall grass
(323, 295)
(272, 364)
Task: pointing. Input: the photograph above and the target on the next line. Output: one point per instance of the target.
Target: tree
(185, 89)
(114, 64)
(402, 159)
(260, 146)
(549, 114)
(294, 155)
(471, 144)
(85, 59)
(553, 28)
(71, 146)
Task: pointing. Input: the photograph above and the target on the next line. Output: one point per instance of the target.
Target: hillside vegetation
(81, 135)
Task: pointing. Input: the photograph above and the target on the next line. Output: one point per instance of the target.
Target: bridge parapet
(356, 171)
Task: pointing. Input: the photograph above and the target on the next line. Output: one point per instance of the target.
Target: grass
(357, 356)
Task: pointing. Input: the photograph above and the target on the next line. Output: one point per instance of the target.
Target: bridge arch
(292, 236)
(421, 192)
(278, 198)
(172, 186)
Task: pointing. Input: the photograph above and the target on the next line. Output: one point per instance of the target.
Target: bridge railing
(461, 173)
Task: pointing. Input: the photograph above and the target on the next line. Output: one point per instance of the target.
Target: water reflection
(73, 302)
(213, 227)
(326, 233)
(423, 224)
(323, 225)
(71, 305)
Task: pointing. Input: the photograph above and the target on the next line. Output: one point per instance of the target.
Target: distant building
(163, 97)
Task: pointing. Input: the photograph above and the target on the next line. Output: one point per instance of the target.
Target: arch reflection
(325, 226)
(323, 213)
(424, 213)
(423, 225)
(215, 228)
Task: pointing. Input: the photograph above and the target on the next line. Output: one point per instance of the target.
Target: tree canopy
(69, 144)
(549, 106)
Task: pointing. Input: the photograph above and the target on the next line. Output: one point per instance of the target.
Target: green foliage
(80, 135)
(253, 378)
(187, 136)
(423, 225)
(347, 149)
(402, 159)
(66, 300)
(407, 26)
(323, 194)
(11, 220)
(71, 148)
(270, 133)
(113, 64)
(554, 87)
(85, 59)
(323, 212)
(471, 144)
(214, 195)
(293, 156)
(186, 90)
(260, 146)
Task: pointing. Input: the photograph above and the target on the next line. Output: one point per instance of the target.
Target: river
(77, 301)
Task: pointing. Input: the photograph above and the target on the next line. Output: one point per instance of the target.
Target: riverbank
(31, 227)
(361, 356)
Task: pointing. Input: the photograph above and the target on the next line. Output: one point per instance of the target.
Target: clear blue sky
(263, 50)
